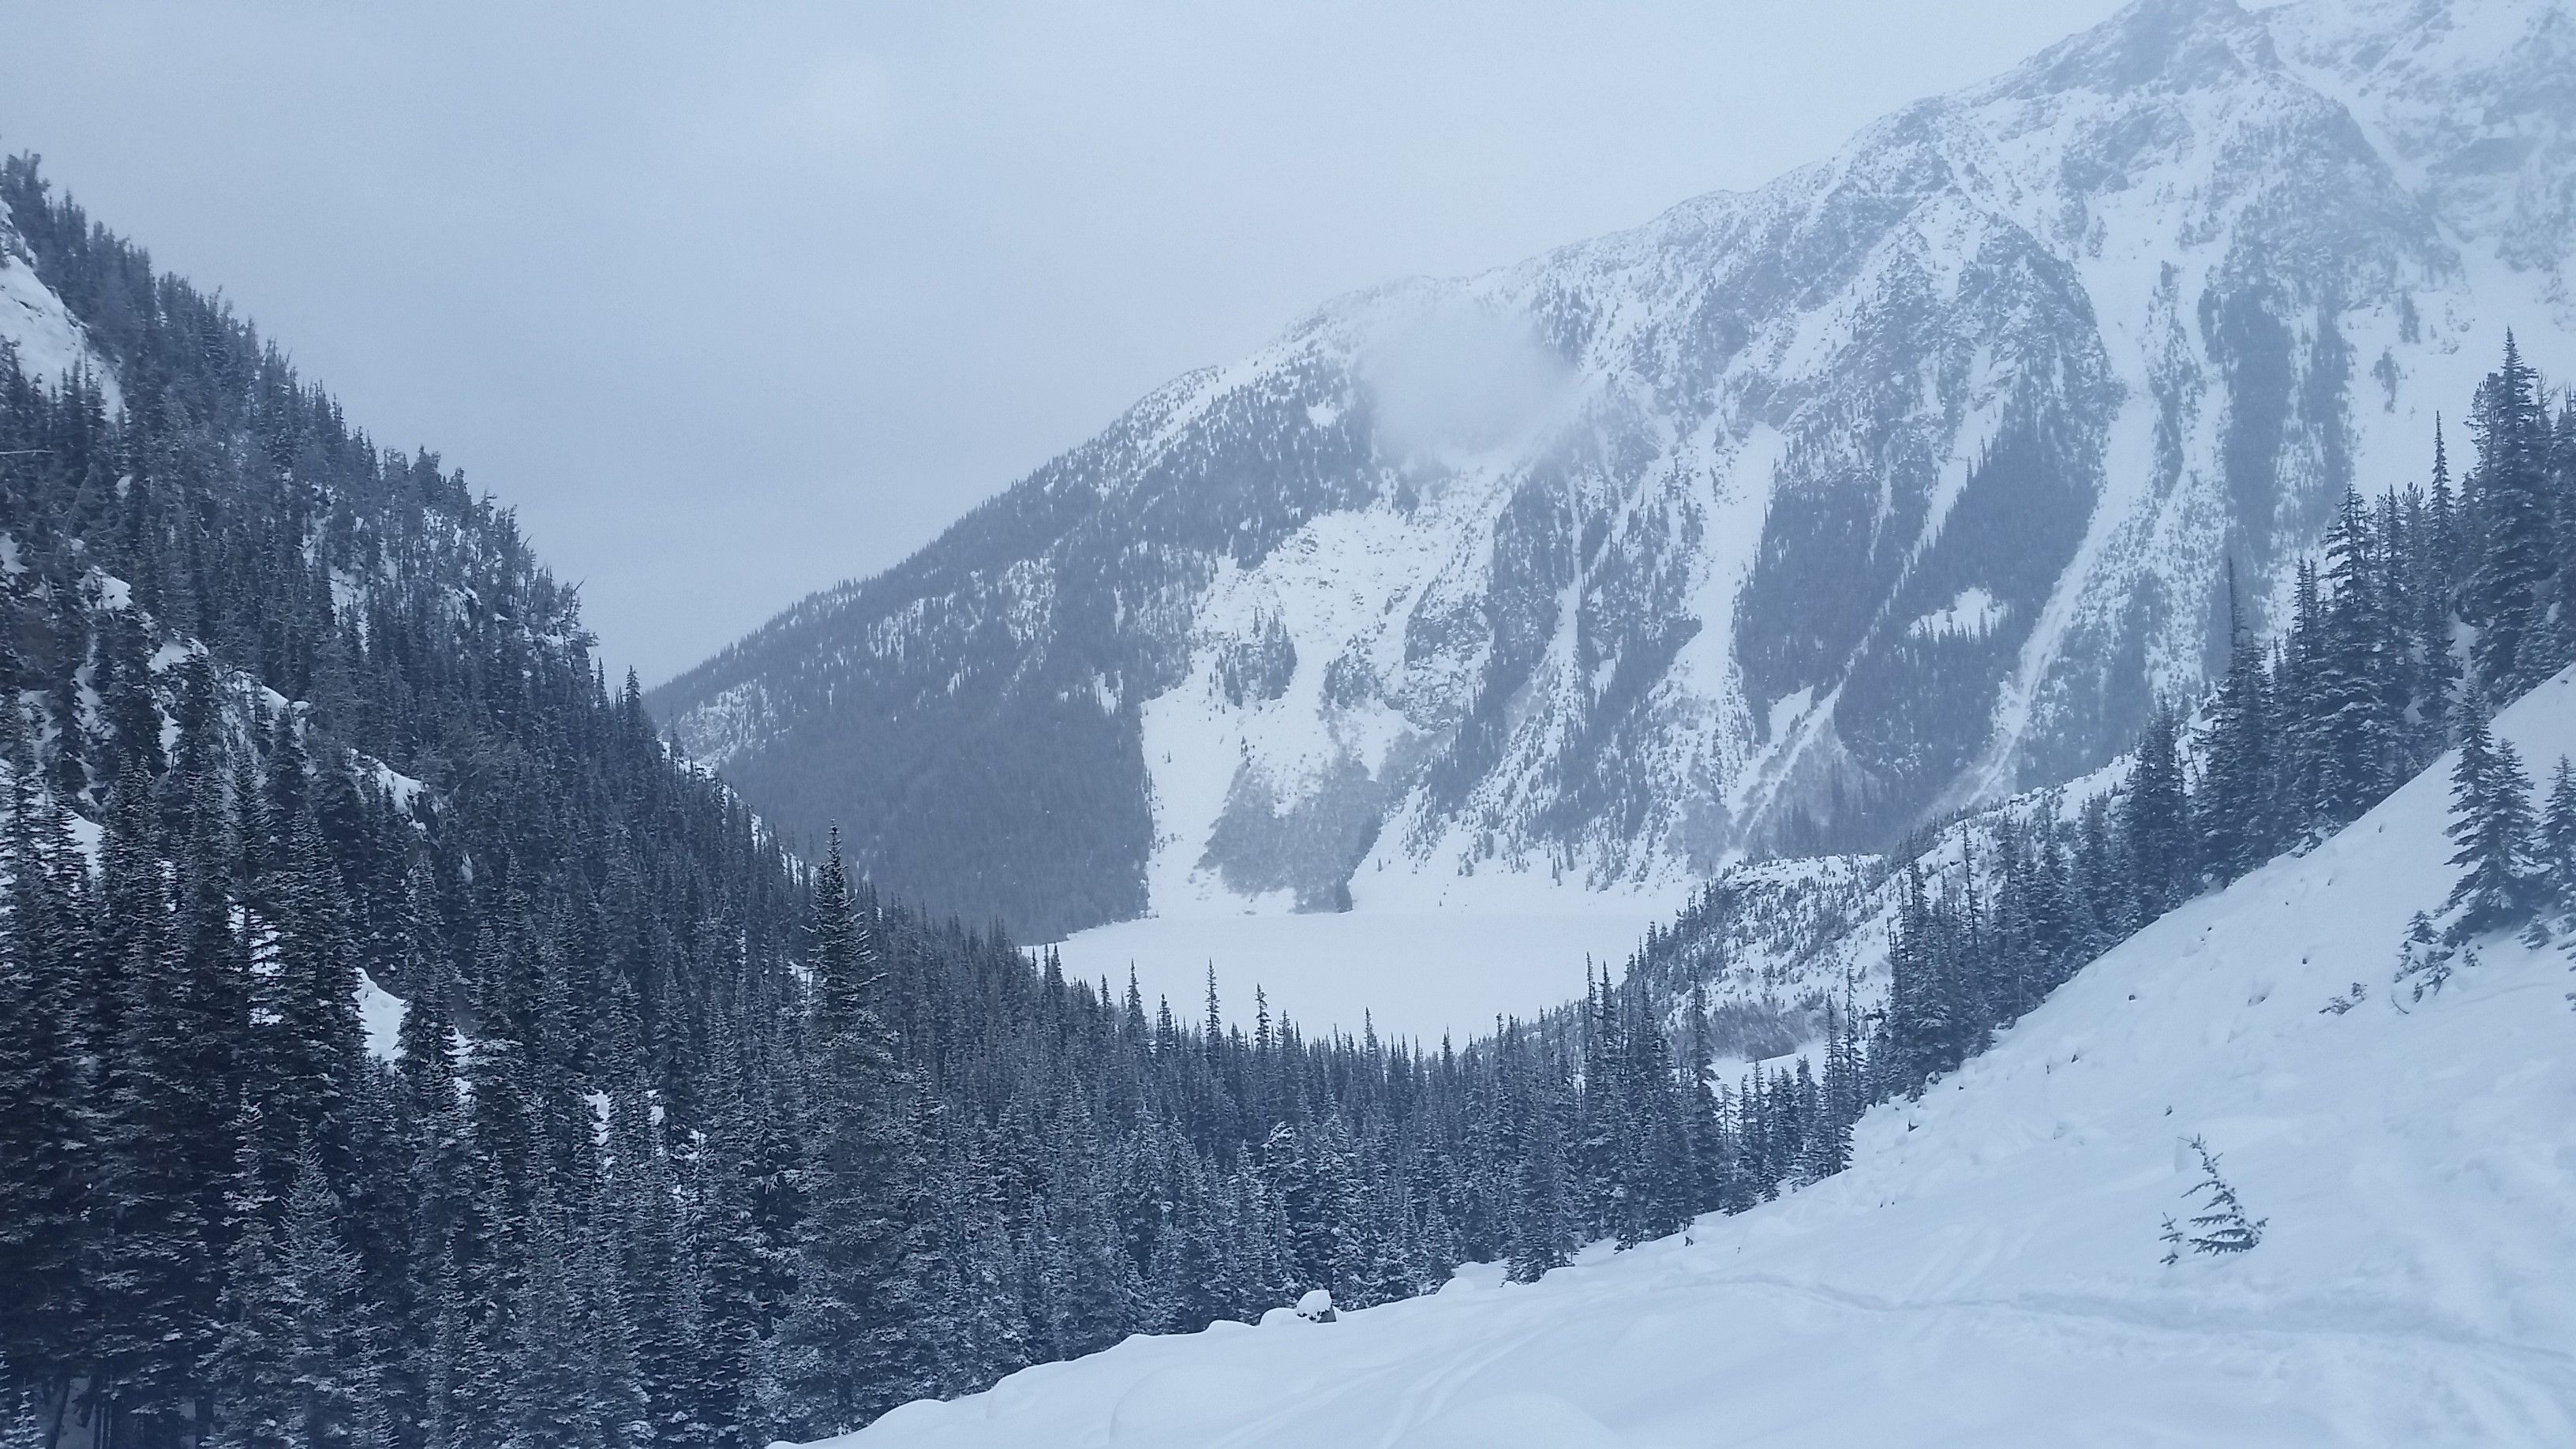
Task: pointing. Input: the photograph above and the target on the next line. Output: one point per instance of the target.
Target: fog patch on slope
(1459, 379)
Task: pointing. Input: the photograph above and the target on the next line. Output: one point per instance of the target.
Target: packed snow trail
(1988, 1272)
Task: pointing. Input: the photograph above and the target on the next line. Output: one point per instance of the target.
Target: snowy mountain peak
(1600, 570)
(2171, 45)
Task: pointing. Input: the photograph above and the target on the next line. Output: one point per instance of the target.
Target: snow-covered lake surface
(1988, 1273)
(1416, 970)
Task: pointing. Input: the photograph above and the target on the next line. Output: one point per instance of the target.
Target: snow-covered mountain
(1989, 1271)
(1900, 484)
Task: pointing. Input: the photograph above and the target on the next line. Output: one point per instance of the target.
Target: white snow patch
(1788, 708)
(1974, 611)
(381, 1012)
(1415, 972)
(399, 788)
(50, 342)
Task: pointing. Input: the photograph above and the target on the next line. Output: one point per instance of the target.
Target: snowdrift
(1989, 1271)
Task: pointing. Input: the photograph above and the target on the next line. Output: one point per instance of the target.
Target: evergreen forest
(404, 1047)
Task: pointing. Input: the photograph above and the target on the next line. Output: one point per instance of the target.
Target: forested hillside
(2429, 604)
(678, 1143)
(2212, 1191)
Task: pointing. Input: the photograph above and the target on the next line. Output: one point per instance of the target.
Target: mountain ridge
(1903, 483)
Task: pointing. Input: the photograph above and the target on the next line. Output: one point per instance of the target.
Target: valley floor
(1989, 1272)
(1414, 971)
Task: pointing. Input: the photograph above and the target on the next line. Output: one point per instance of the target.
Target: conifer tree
(2558, 841)
(1920, 1005)
(307, 1043)
(1542, 1230)
(2491, 823)
(45, 1148)
(2562, 487)
(2357, 732)
(2222, 1225)
(2155, 819)
(1711, 1159)
(2509, 590)
(2436, 590)
(153, 1276)
(23, 1411)
(848, 1349)
(295, 1361)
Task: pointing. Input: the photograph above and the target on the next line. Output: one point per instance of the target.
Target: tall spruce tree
(2491, 823)
(2513, 522)
(2558, 843)
(2156, 821)
(850, 1347)
(2358, 730)
(46, 1132)
(2237, 813)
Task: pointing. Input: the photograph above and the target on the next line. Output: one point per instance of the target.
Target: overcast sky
(735, 301)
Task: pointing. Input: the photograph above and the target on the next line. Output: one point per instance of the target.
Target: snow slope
(1988, 1272)
(49, 342)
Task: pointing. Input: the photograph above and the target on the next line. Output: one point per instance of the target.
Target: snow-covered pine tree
(1704, 1120)
(22, 1411)
(296, 1358)
(154, 1240)
(2300, 661)
(307, 1045)
(2222, 1224)
(2358, 729)
(640, 1203)
(1918, 1008)
(2562, 478)
(2491, 823)
(1542, 1225)
(848, 1350)
(45, 1148)
(2513, 520)
(1844, 1093)
(2436, 593)
(2558, 843)
(2423, 959)
(2156, 819)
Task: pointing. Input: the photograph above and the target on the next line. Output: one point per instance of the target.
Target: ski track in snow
(1987, 1273)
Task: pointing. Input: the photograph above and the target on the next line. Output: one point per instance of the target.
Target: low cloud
(1463, 378)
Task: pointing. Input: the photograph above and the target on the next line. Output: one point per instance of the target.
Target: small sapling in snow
(2222, 1225)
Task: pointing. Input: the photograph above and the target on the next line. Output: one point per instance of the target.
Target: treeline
(2367, 685)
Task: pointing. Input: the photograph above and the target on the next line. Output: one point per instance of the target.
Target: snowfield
(1409, 972)
(1989, 1270)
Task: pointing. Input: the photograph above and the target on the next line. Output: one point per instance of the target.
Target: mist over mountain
(1784, 521)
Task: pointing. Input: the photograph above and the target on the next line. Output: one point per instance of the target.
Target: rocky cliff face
(1782, 521)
